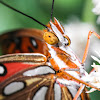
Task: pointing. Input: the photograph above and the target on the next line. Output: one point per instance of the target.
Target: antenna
(23, 14)
(52, 9)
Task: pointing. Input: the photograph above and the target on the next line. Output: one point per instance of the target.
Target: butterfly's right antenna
(23, 14)
(52, 9)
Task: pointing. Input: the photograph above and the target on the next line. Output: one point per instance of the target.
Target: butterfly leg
(87, 44)
(79, 92)
(84, 58)
(66, 75)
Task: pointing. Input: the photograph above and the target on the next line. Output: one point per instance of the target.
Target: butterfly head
(56, 34)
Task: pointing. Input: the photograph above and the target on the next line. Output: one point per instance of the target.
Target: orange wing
(23, 41)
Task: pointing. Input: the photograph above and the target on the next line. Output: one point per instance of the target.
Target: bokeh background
(75, 15)
(39, 9)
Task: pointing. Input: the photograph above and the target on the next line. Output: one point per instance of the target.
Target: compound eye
(68, 40)
(50, 38)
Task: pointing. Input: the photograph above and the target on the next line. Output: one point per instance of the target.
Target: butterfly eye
(50, 38)
(68, 42)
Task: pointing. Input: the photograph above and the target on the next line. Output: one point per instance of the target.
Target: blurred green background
(41, 9)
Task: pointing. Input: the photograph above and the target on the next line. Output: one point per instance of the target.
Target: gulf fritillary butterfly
(53, 72)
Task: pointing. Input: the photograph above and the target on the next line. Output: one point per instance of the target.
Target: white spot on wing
(1, 70)
(13, 87)
(57, 91)
(39, 71)
(40, 94)
(34, 42)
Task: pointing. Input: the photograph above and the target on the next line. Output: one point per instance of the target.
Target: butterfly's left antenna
(52, 9)
(23, 14)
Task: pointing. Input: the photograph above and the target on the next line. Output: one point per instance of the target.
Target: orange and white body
(63, 60)
(60, 51)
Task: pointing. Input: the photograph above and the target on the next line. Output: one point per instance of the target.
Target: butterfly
(52, 72)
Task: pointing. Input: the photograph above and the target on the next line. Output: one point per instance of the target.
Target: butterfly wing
(27, 83)
(23, 61)
(23, 41)
(32, 81)
(36, 83)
